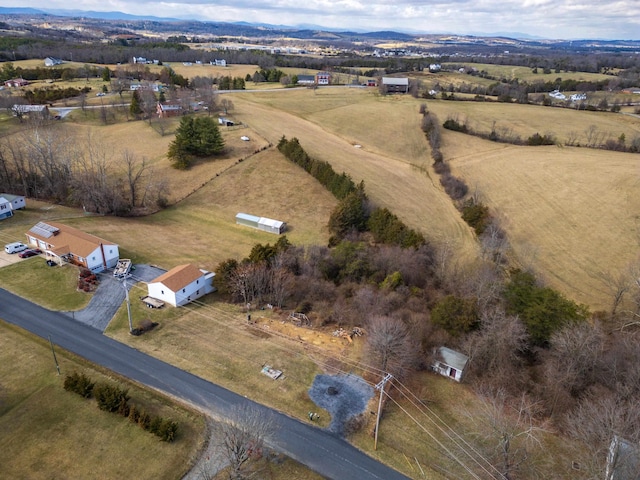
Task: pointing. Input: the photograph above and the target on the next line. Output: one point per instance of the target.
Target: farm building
(51, 61)
(21, 110)
(623, 460)
(5, 208)
(261, 223)
(67, 244)
(168, 110)
(323, 78)
(226, 122)
(395, 85)
(306, 80)
(16, 201)
(450, 363)
(16, 82)
(181, 285)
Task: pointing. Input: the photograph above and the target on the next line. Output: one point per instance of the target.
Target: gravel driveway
(349, 398)
(109, 296)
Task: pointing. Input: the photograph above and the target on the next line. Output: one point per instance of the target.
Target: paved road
(319, 450)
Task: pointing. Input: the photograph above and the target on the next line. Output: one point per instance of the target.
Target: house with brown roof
(66, 244)
(181, 285)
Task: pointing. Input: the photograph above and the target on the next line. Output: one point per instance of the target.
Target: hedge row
(340, 185)
(115, 400)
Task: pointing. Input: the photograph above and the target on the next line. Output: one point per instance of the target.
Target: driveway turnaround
(109, 296)
(321, 451)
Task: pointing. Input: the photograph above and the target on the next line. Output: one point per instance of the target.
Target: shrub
(110, 398)
(476, 215)
(167, 430)
(456, 315)
(454, 186)
(80, 384)
(453, 124)
(537, 139)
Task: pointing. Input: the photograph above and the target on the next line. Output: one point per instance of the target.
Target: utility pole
(380, 387)
(126, 294)
(54, 355)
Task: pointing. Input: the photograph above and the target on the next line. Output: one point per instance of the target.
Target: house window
(197, 281)
(162, 292)
(93, 258)
(197, 292)
(183, 290)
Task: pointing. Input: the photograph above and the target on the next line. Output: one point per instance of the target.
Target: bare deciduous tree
(390, 346)
(509, 429)
(242, 438)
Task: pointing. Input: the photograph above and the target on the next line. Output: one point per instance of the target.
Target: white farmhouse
(181, 285)
(450, 363)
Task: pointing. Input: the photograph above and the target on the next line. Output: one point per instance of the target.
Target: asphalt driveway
(110, 295)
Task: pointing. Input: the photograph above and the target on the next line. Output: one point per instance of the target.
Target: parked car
(32, 252)
(15, 247)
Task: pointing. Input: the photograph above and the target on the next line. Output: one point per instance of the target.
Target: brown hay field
(570, 213)
(525, 120)
(394, 178)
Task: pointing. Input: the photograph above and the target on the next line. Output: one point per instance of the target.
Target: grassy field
(571, 213)
(512, 72)
(50, 433)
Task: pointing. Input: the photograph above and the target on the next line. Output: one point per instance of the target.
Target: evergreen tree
(135, 109)
(106, 75)
(199, 137)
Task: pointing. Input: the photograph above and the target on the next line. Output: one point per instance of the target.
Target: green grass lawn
(48, 432)
(52, 287)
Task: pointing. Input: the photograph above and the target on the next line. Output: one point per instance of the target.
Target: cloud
(547, 18)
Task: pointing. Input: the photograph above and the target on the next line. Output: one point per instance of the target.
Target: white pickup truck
(123, 267)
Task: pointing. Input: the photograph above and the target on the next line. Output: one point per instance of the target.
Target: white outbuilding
(450, 363)
(181, 285)
(261, 223)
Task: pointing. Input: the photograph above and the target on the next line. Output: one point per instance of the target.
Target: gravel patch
(109, 296)
(343, 396)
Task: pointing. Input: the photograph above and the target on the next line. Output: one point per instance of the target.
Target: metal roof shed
(271, 226)
(247, 220)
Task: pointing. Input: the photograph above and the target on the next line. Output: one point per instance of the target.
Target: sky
(553, 19)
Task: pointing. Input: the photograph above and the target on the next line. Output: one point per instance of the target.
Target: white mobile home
(261, 223)
(5, 208)
(450, 363)
(181, 285)
(16, 201)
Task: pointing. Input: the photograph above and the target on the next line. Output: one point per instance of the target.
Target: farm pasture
(571, 214)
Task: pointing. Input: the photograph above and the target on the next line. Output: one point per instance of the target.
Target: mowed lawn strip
(47, 430)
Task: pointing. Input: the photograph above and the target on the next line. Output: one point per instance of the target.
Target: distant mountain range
(392, 35)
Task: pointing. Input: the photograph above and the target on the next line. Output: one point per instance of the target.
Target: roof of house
(67, 239)
(395, 81)
(452, 358)
(29, 108)
(11, 197)
(179, 277)
(4, 199)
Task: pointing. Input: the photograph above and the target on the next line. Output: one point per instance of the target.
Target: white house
(181, 285)
(577, 97)
(450, 363)
(67, 244)
(17, 201)
(558, 95)
(5, 208)
(51, 61)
